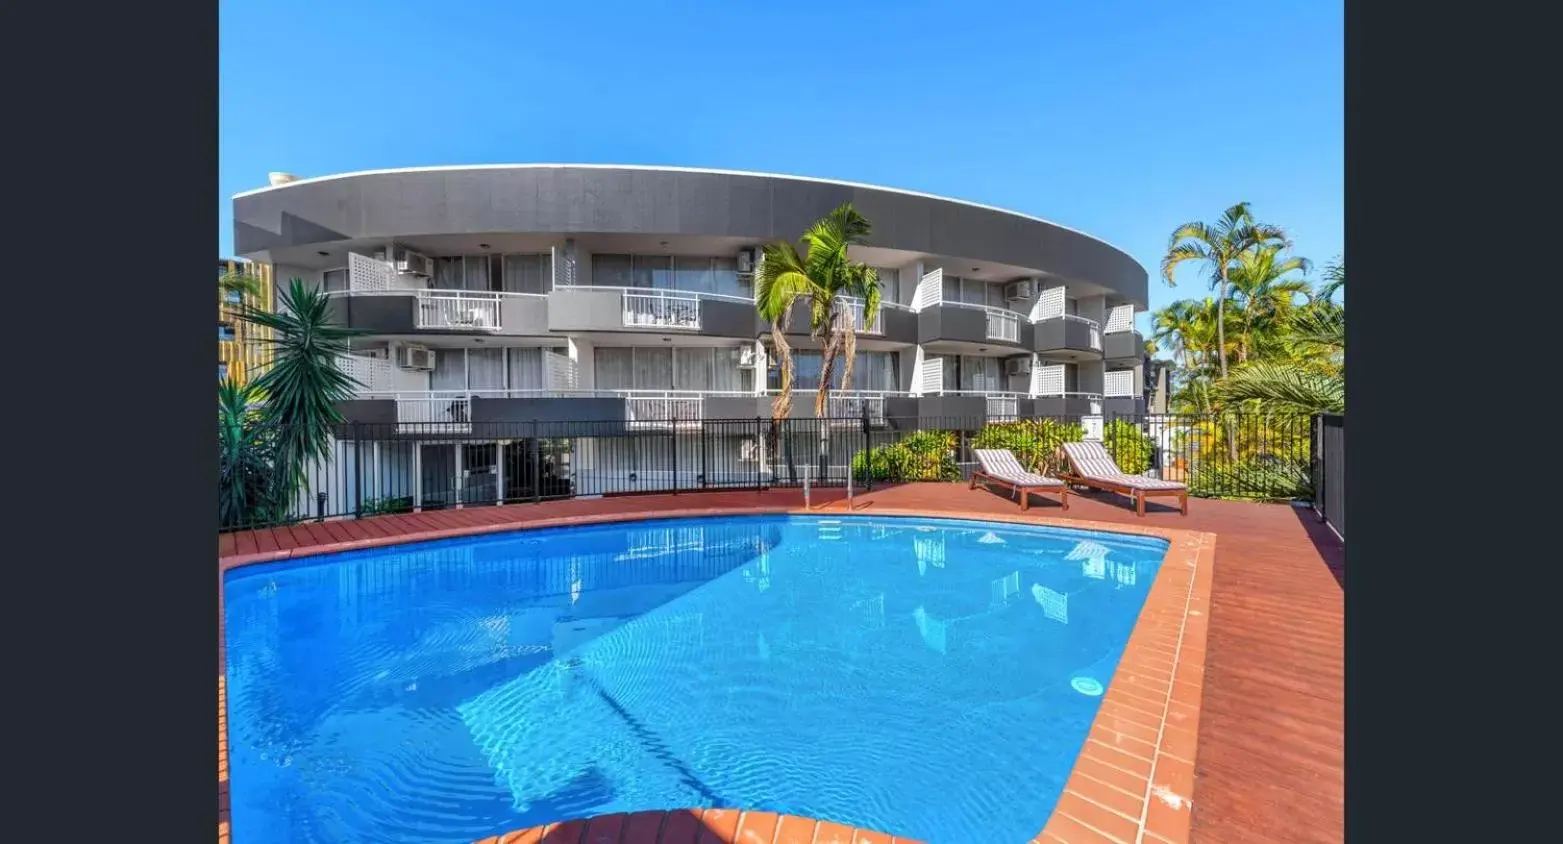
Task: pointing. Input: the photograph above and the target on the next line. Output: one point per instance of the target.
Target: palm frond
(1279, 387)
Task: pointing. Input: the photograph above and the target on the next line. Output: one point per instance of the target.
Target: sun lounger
(1090, 465)
(999, 466)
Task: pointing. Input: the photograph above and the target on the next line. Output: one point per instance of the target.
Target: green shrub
(1263, 477)
(1034, 442)
(384, 506)
(1132, 449)
(922, 456)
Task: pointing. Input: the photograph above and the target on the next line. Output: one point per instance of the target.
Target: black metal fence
(408, 467)
(1329, 470)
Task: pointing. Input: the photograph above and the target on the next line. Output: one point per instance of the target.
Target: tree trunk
(831, 350)
(781, 406)
(1221, 323)
(1221, 350)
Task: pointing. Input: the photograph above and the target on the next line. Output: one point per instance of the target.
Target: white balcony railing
(661, 309)
(661, 409)
(853, 406)
(853, 311)
(1003, 325)
(458, 309)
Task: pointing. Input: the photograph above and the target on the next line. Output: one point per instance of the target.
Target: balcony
(638, 309)
(1124, 345)
(1064, 333)
(413, 311)
(893, 322)
(968, 323)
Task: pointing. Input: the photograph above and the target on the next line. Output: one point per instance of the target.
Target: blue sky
(1122, 119)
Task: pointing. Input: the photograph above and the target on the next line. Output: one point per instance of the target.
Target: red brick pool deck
(1224, 721)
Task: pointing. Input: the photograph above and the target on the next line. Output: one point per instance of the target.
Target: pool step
(830, 529)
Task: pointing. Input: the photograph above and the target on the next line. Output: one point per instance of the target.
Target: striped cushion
(1001, 463)
(1091, 460)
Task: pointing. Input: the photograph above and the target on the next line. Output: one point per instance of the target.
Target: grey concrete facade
(574, 217)
(666, 201)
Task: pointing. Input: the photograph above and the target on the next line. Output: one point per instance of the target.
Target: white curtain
(477, 272)
(693, 369)
(525, 273)
(614, 369)
(889, 284)
(726, 374)
(526, 369)
(450, 370)
(486, 369)
(447, 274)
(653, 369)
(979, 373)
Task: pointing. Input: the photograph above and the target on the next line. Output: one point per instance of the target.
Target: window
(692, 273)
(872, 371)
(225, 332)
(647, 368)
(222, 370)
(654, 271)
(233, 297)
(525, 274)
(334, 281)
(611, 271)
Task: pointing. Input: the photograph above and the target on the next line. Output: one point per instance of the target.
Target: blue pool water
(929, 678)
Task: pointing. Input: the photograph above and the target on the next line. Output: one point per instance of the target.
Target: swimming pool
(926, 677)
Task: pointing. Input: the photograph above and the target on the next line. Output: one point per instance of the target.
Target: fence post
(673, 437)
(358, 471)
(1315, 465)
(704, 481)
(535, 454)
(868, 454)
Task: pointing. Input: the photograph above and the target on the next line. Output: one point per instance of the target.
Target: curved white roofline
(441, 168)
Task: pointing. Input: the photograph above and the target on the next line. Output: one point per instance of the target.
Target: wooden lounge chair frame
(1022, 491)
(1069, 476)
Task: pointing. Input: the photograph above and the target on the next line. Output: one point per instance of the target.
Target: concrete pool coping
(1132, 782)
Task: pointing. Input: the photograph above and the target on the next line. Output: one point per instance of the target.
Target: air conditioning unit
(1018, 291)
(409, 262)
(746, 357)
(746, 260)
(416, 358)
(1018, 366)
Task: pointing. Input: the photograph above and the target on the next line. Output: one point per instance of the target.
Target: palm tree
(245, 489)
(1262, 290)
(1221, 246)
(304, 381)
(822, 272)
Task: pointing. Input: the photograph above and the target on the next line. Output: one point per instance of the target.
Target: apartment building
(592, 300)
